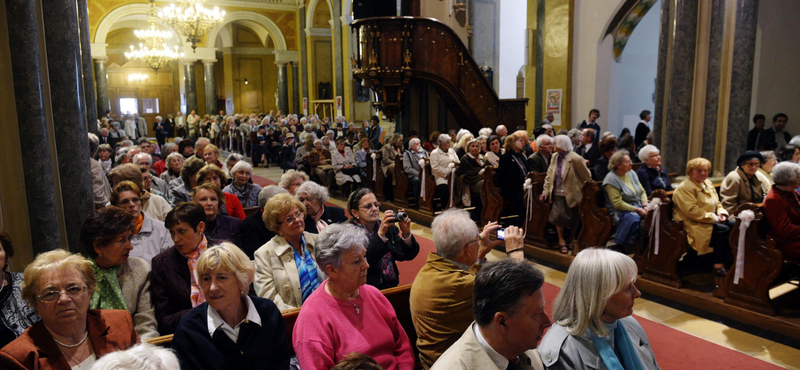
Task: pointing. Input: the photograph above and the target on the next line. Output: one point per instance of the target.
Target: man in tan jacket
(441, 295)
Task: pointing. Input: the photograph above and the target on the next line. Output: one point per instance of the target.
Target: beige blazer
(575, 174)
(735, 190)
(134, 281)
(467, 354)
(698, 209)
(277, 278)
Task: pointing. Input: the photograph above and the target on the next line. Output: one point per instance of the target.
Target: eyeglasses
(290, 219)
(752, 164)
(52, 295)
(125, 202)
(476, 240)
(367, 207)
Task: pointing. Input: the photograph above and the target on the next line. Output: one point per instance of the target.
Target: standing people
(591, 123)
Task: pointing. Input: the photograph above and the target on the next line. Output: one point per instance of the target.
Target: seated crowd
(189, 245)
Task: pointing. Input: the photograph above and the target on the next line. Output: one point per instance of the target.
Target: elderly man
(501, 131)
(130, 128)
(548, 119)
(105, 138)
(440, 315)
(540, 161)
(192, 121)
(588, 149)
(318, 216)
(100, 186)
(591, 123)
(145, 163)
(180, 125)
(160, 129)
(509, 321)
(141, 125)
(199, 146)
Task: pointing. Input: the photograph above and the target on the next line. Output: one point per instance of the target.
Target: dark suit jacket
(594, 126)
(253, 234)
(377, 249)
(227, 227)
(109, 331)
(592, 155)
(258, 347)
(641, 134)
(511, 175)
(768, 139)
(538, 163)
(331, 215)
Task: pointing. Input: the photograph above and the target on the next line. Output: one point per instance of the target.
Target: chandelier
(191, 20)
(153, 50)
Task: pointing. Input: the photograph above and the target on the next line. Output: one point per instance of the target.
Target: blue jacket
(651, 179)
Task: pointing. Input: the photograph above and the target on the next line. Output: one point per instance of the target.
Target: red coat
(109, 331)
(234, 206)
(782, 210)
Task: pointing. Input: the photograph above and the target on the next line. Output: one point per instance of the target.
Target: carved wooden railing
(595, 217)
(393, 50)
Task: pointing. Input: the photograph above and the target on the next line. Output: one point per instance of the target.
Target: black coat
(377, 249)
(511, 176)
(652, 179)
(593, 154)
(258, 347)
(768, 139)
(641, 134)
(594, 126)
(253, 234)
(226, 228)
(538, 163)
(331, 215)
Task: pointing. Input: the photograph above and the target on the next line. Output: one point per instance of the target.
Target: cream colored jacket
(277, 278)
(440, 162)
(698, 208)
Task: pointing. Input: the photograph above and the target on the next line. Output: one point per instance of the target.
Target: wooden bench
(369, 170)
(401, 183)
(596, 219)
(661, 267)
(377, 186)
(250, 210)
(426, 205)
(494, 200)
(540, 214)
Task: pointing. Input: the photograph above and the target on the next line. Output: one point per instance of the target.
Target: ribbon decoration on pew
(452, 167)
(528, 189)
(422, 180)
(655, 206)
(374, 166)
(746, 217)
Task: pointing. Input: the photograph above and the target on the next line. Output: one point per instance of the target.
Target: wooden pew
(401, 183)
(426, 205)
(763, 264)
(662, 267)
(494, 201)
(368, 181)
(250, 210)
(595, 218)
(377, 187)
(537, 226)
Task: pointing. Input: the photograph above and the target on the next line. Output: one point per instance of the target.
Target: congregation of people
(183, 241)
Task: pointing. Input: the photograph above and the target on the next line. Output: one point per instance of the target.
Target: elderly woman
(765, 171)
(345, 167)
(286, 271)
(470, 175)
(248, 332)
(211, 174)
(318, 216)
(174, 163)
(742, 185)
(218, 225)
(463, 141)
(651, 174)
(104, 153)
(59, 285)
(180, 189)
(393, 147)
(232, 160)
(345, 315)
(320, 161)
(495, 151)
(441, 159)
(288, 152)
(173, 287)
(16, 314)
(411, 160)
(512, 172)
(291, 180)
(386, 244)
(241, 187)
(154, 205)
(161, 165)
(150, 237)
(607, 146)
(302, 154)
(626, 198)
(593, 326)
(782, 209)
(562, 186)
(139, 357)
(211, 155)
(705, 220)
(363, 152)
(122, 282)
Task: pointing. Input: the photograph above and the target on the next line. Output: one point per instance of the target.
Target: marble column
(88, 74)
(211, 88)
(675, 82)
(283, 88)
(26, 62)
(714, 74)
(301, 15)
(295, 89)
(744, 48)
(337, 51)
(101, 80)
(190, 86)
(64, 65)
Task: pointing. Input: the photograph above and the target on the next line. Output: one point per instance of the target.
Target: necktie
(512, 365)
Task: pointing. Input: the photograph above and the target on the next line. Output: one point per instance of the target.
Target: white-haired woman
(441, 159)
(651, 174)
(139, 357)
(463, 140)
(782, 209)
(486, 131)
(411, 160)
(318, 216)
(470, 175)
(593, 326)
(174, 165)
(291, 180)
(562, 186)
(248, 332)
(320, 161)
(765, 171)
(346, 315)
(625, 197)
(347, 171)
(241, 186)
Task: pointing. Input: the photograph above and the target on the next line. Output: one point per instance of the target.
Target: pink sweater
(328, 329)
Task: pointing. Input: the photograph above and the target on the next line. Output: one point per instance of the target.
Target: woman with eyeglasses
(286, 269)
(765, 171)
(742, 185)
(150, 236)
(60, 287)
(625, 197)
(651, 174)
(386, 243)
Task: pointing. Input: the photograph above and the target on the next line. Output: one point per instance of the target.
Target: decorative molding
(284, 5)
(99, 51)
(272, 28)
(312, 7)
(319, 32)
(286, 56)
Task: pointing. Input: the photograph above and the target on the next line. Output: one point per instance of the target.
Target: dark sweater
(258, 347)
(253, 234)
(377, 249)
(651, 179)
(331, 215)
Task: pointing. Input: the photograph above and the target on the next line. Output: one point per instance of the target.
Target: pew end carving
(494, 201)
(426, 204)
(401, 183)
(595, 218)
(661, 266)
(377, 187)
(540, 214)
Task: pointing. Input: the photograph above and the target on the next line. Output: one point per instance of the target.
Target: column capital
(207, 62)
(347, 19)
(98, 51)
(285, 56)
(188, 62)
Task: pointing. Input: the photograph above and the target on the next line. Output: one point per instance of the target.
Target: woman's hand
(722, 217)
(543, 197)
(405, 226)
(386, 221)
(641, 211)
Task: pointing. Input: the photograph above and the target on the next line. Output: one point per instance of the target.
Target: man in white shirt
(130, 128)
(141, 129)
(180, 124)
(192, 121)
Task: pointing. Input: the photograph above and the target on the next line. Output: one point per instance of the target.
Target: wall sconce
(245, 82)
(242, 80)
(137, 77)
(460, 6)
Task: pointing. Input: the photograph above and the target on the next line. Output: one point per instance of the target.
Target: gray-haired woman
(626, 198)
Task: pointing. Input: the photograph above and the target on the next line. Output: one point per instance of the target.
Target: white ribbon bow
(374, 166)
(528, 189)
(452, 167)
(746, 217)
(422, 178)
(655, 226)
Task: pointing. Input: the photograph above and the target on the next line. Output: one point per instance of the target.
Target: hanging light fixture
(153, 50)
(191, 20)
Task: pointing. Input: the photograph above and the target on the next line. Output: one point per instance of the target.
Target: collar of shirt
(215, 321)
(587, 147)
(498, 359)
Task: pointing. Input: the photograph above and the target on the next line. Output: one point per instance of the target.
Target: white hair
(443, 138)
(314, 191)
(412, 141)
(242, 165)
(139, 156)
(268, 192)
(541, 139)
(499, 128)
(563, 142)
(546, 127)
(139, 357)
(461, 134)
(486, 131)
(646, 150)
(593, 277)
(451, 230)
(785, 173)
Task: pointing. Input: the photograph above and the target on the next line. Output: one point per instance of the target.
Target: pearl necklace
(86, 335)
